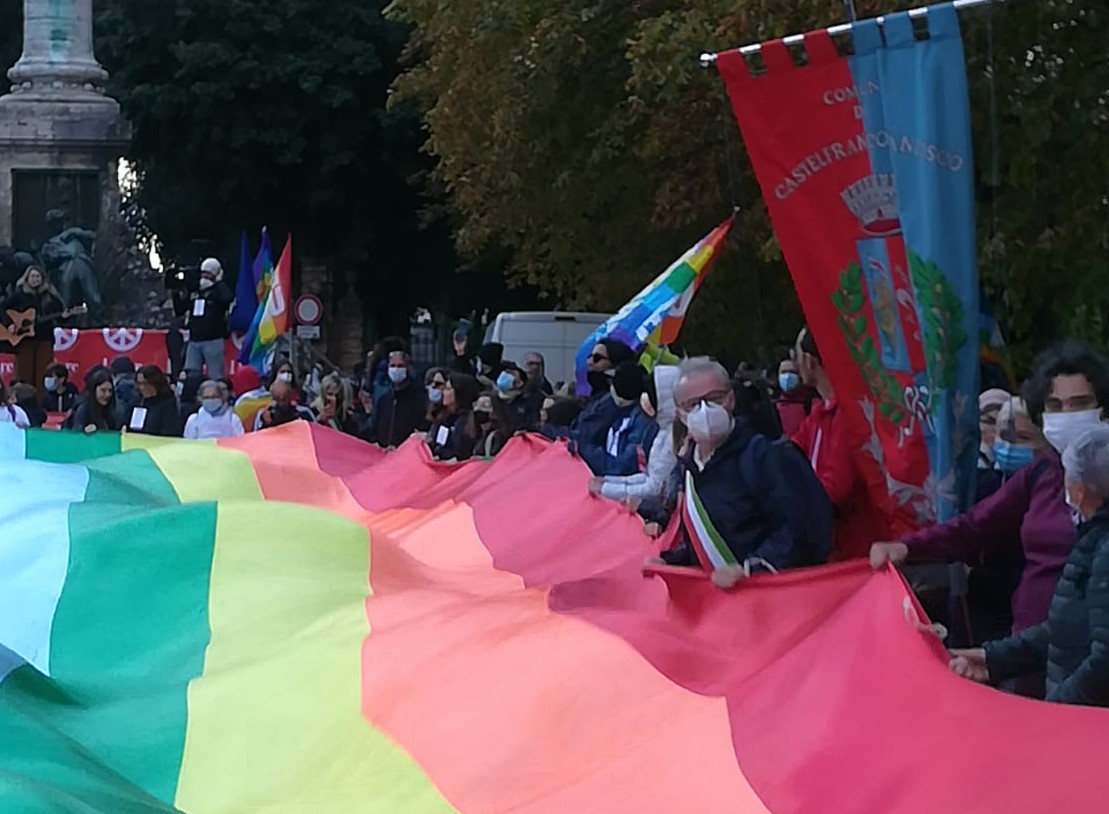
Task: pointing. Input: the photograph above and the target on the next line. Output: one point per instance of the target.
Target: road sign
(308, 310)
(308, 331)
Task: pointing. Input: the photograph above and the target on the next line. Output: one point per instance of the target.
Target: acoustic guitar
(23, 322)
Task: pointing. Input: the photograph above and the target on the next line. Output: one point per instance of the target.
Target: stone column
(61, 136)
(58, 58)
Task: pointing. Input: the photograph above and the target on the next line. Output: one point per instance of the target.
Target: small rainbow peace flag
(294, 621)
(654, 316)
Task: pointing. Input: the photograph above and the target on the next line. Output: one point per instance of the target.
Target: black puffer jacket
(1074, 640)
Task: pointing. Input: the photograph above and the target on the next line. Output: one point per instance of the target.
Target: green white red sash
(712, 551)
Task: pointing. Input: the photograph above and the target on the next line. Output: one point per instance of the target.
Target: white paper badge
(198, 308)
(442, 436)
(138, 418)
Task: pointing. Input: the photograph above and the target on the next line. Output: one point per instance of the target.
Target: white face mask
(1063, 429)
(206, 283)
(709, 423)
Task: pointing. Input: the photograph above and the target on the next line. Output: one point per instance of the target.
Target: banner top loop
(942, 20)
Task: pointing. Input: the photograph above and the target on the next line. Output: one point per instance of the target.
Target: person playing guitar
(35, 350)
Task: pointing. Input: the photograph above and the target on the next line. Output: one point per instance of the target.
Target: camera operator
(207, 321)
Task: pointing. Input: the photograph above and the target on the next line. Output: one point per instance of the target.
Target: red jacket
(826, 439)
(792, 408)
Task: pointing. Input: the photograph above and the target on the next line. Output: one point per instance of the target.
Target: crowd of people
(753, 475)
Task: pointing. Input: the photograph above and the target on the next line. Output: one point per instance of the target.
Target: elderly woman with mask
(215, 418)
(1073, 642)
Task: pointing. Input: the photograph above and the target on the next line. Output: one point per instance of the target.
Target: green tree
(584, 138)
(248, 113)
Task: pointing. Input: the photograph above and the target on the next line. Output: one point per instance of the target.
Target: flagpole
(708, 59)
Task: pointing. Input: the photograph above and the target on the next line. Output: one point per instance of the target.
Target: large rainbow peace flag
(293, 621)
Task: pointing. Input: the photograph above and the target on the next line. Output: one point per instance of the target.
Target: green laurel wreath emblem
(850, 300)
(942, 314)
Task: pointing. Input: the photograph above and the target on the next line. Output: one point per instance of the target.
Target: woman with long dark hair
(97, 410)
(156, 413)
(454, 435)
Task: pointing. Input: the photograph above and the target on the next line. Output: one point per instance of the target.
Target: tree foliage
(249, 113)
(584, 137)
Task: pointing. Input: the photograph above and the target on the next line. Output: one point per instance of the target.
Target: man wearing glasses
(739, 510)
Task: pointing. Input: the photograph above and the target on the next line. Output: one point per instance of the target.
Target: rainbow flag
(262, 269)
(655, 315)
(272, 317)
(294, 621)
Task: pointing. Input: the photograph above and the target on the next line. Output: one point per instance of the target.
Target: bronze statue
(69, 261)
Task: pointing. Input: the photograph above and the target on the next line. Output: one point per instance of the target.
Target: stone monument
(61, 138)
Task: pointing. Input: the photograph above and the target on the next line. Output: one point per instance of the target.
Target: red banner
(864, 163)
(80, 350)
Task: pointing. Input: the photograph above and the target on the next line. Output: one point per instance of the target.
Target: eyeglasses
(715, 397)
(596, 358)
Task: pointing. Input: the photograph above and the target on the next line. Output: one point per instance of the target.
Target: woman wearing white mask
(1065, 397)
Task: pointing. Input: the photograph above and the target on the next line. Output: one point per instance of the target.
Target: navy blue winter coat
(1073, 642)
(590, 436)
(759, 519)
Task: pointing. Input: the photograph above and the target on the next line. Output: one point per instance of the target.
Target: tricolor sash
(712, 551)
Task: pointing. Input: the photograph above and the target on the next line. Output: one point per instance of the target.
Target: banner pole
(708, 59)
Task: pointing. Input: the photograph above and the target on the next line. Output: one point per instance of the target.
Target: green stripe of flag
(66, 447)
(129, 633)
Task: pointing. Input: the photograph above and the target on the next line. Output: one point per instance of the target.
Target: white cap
(211, 266)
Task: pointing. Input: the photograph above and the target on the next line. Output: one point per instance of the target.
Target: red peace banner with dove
(80, 350)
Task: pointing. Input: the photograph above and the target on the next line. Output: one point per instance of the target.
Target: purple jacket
(1031, 507)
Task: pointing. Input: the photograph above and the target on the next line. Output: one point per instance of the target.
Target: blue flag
(246, 298)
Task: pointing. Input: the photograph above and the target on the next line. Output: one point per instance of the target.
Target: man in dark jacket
(403, 410)
(522, 404)
(207, 321)
(599, 413)
(123, 382)
(60, 395)
(614, 440)
(734, 521)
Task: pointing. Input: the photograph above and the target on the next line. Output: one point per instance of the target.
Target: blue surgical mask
(788, 381)
(434, 395)
(212, 406)
(505, 382)
(1011, 458)
(49, 382)
(398, 374)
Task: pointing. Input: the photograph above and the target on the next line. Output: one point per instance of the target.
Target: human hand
(633, 504)
(595, 485)
(652, 530)
(970, 664)
(267, 418)
(90, 429)
(727, 576)
(881, 553)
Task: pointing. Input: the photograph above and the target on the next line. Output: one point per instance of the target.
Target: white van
(555, 334)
